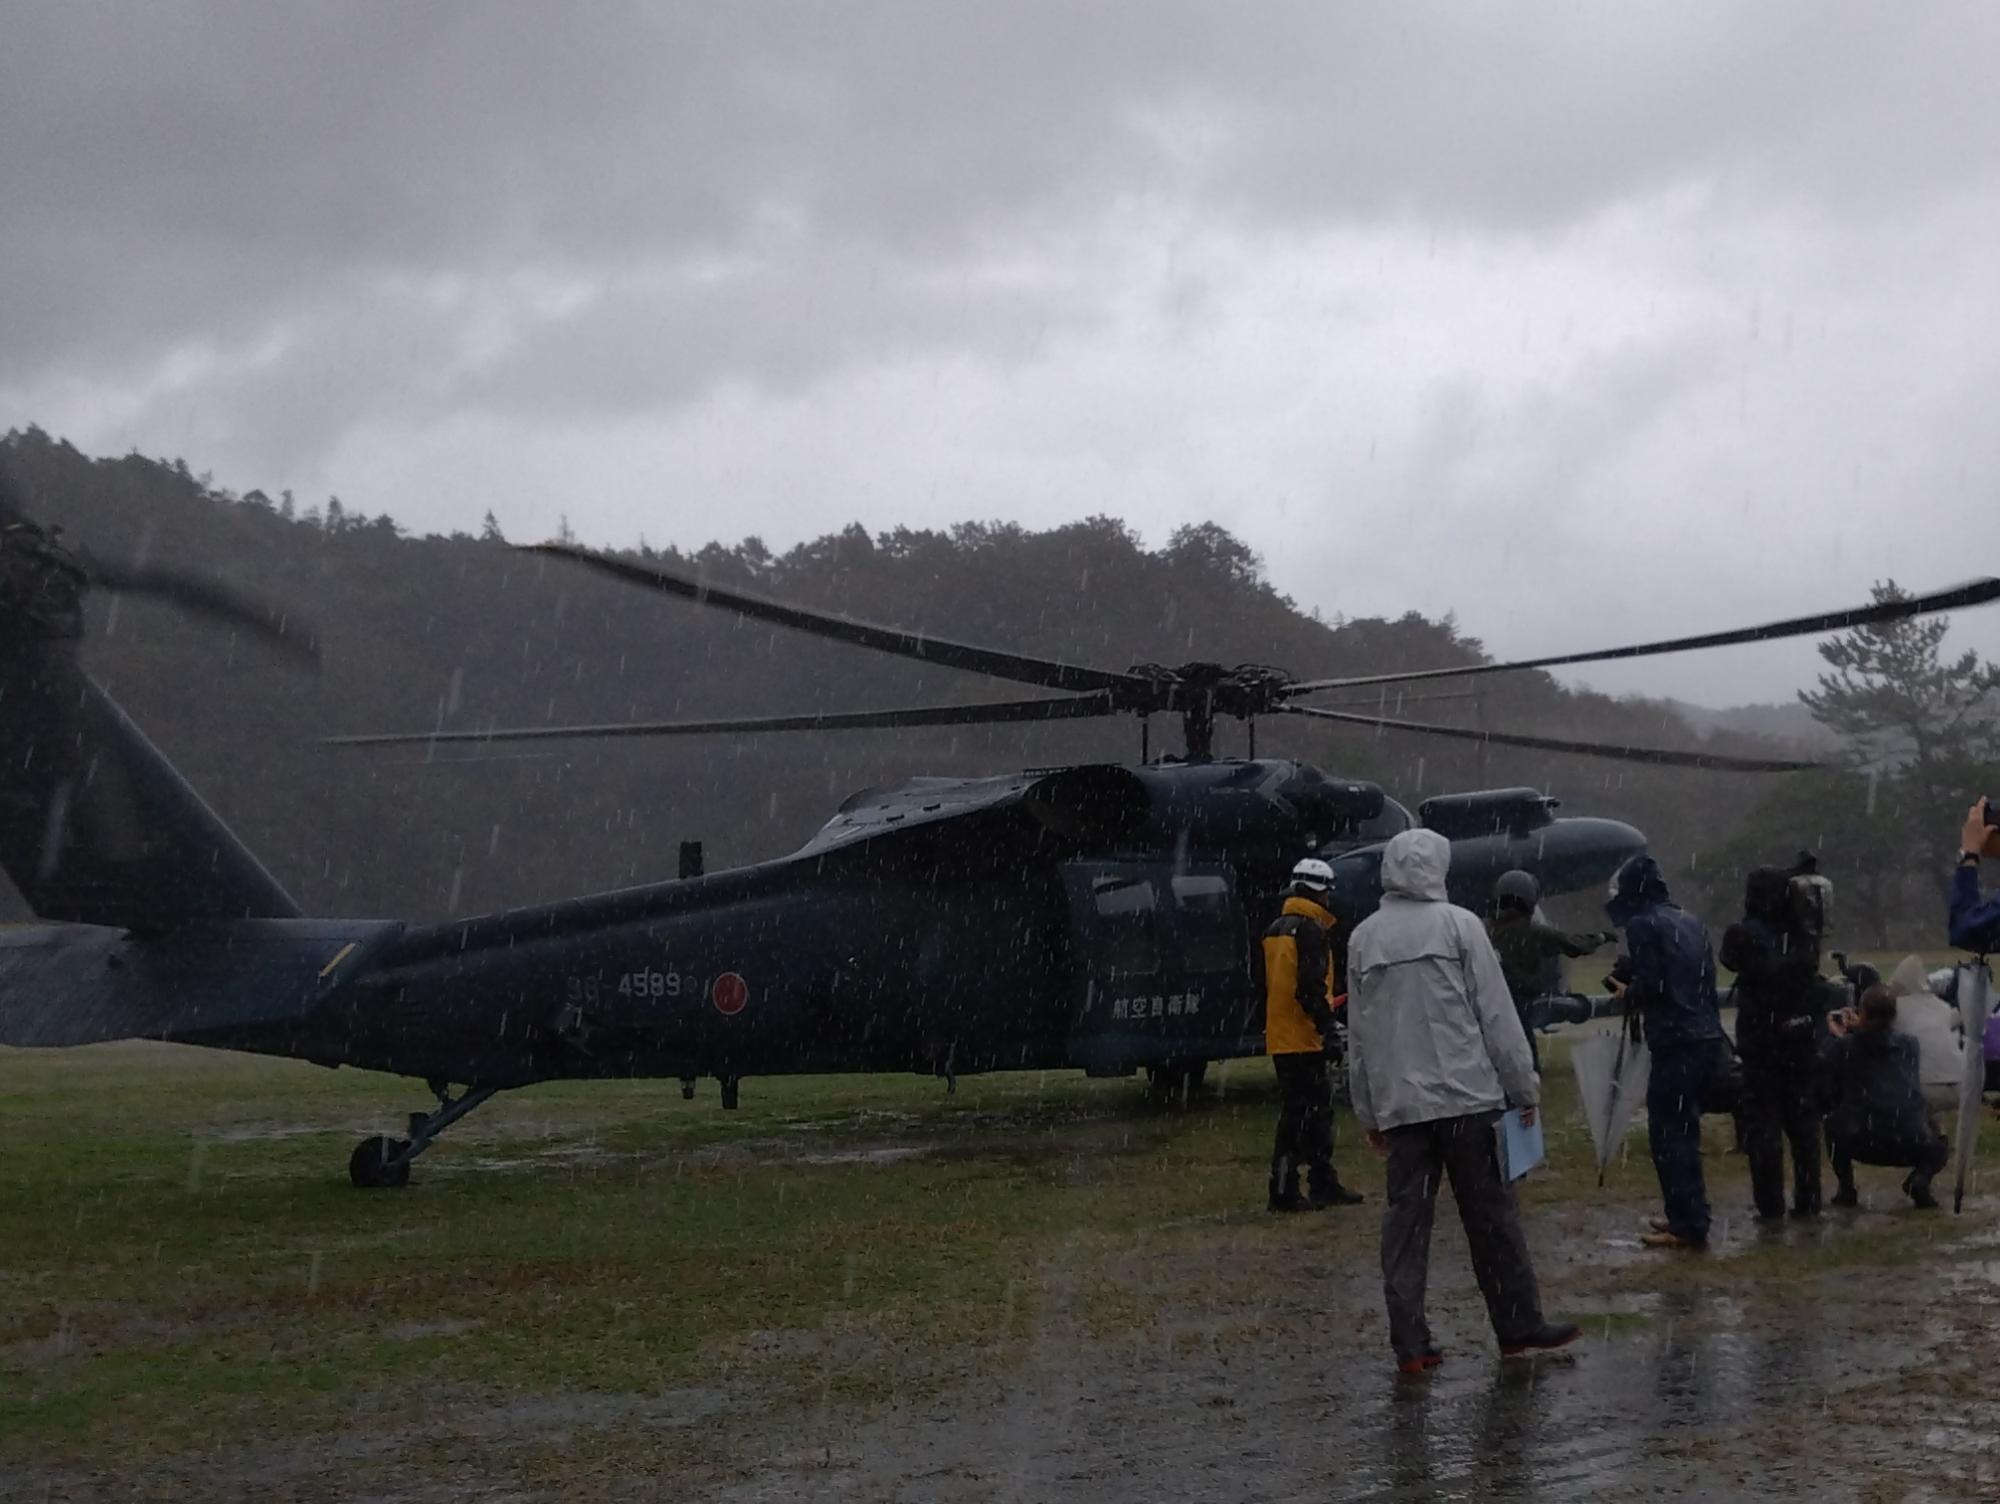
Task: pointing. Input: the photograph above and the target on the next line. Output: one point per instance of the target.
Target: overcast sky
(1586, 322)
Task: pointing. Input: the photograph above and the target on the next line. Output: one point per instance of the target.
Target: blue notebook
(1520, 1146)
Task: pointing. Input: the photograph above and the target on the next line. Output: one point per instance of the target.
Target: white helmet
(1313, 873)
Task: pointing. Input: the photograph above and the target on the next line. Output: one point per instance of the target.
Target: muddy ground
(1036, 1295)
(1780, 1387)
(1762, 1372)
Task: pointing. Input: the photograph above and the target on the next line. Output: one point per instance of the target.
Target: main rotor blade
(1399, 700)
(1658, 756)
(1049, 673)
(1974, 593)
(1077, 708)
(201, 596)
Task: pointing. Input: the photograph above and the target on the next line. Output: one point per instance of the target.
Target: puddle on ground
(893, 1154)
(574, 1156)
(259, 1133)
(1736, 1391)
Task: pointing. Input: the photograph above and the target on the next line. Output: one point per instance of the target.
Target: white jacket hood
(1414, 866)
(1931, 1021)
(1432, 1031)
(1910, 978)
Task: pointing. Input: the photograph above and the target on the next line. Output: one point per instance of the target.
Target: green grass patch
(183, 1261)
(185, 1270)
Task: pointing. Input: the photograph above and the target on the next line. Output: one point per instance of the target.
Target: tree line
(461, 631)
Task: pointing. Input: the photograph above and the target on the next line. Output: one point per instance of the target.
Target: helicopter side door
(1162, 966)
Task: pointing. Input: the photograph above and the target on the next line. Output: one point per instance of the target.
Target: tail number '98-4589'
(728, 991)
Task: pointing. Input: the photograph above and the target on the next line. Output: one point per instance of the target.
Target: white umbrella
(1974, 1003)
(1611, 1074)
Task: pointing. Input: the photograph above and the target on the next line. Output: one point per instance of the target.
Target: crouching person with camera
(1879, 1114)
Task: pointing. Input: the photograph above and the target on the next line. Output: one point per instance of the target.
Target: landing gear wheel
(370, 1167)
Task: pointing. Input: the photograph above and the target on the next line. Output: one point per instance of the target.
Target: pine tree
(1905, 708)
(1918, 727)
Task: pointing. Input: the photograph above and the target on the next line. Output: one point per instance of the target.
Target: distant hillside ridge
(464, 632)
(1792, 725)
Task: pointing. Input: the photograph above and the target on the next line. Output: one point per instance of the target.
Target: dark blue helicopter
(1095, 917)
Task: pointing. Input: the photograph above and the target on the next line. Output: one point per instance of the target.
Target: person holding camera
(1668, 980)
(1975, 925)
(1879, 1115)
(1780, 1013)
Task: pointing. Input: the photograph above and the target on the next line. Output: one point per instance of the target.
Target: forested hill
(467, 632)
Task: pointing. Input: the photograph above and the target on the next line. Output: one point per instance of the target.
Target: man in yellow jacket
(1298, 1028)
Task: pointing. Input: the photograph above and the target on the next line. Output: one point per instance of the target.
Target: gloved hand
(1333, 1038)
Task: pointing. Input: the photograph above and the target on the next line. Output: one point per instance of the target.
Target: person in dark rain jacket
(1780, 1019)
(1879, 1115)
(1672, 990)
(1526, 944)
(1298, 1027)
(1975, 924)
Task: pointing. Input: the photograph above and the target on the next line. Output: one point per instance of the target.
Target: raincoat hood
(1639, 885)
(1909, 979)
(1767, 895)
(1414, 866)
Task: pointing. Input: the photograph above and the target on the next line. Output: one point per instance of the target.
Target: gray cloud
(1416, 297)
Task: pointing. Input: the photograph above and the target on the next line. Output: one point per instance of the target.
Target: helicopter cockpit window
(1211, 938)
(1128, 926)
(1393, 820)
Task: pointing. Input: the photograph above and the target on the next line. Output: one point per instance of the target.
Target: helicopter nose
(1590, 850)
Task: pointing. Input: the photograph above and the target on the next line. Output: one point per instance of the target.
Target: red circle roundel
(729, 994)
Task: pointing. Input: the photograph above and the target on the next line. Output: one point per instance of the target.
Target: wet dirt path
(1796, 1384)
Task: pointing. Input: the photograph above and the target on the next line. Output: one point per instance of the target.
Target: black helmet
(1518, 889)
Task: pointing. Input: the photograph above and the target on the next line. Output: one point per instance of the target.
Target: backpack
(1811, 905)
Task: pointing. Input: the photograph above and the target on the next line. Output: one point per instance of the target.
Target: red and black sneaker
(1549, 1337)
(1424, 1362)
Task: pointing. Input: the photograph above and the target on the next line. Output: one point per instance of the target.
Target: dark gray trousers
(1462, 1149)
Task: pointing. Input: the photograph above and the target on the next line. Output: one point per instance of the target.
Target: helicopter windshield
(1392, 819)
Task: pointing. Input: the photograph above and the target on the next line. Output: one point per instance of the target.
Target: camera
(1992, 813)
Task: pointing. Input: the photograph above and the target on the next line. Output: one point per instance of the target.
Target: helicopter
(1095, 917)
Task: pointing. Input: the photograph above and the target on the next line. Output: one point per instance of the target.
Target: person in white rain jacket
(1435, 1053)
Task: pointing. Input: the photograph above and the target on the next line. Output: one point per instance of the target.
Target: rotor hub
(1199, 692)
(1247, 690)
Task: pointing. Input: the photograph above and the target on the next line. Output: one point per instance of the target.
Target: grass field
(187, 1275)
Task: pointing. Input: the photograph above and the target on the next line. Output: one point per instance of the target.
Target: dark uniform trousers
(1781, 1105)
(1680, 1075)
(1305, 1124)
(1462, 1149)
(1922, 1157)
